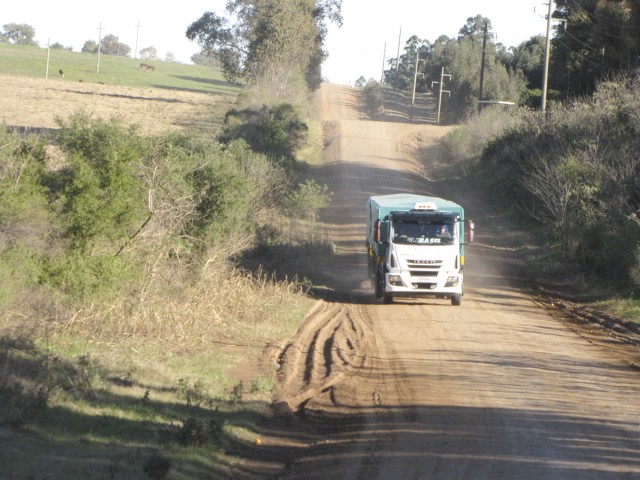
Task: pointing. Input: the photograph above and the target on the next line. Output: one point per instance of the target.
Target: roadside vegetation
(137, 273)
(120, 288)
(592, 41)
(574, 176)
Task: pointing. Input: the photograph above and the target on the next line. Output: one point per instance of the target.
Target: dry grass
(223, 306)
(35, 104)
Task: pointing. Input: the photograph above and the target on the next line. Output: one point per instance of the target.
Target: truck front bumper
(404, 284)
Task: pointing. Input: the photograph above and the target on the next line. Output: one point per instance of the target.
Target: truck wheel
(388, 298)
(379, 284)
(456, 299)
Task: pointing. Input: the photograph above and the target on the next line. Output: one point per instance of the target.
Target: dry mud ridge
(505, 386)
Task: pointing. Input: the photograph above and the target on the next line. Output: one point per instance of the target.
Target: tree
(278, 132)
(598, 38)
(273, 45)
(149, 53)
(474, 29)
(461, 58)
(110, 45)
(402, 76)
(203, 58)
(90, 47)
(59, 46)
(528, 57)
(170, 57)
(19, 34)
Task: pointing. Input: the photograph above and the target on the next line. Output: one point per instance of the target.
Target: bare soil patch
(35, 104)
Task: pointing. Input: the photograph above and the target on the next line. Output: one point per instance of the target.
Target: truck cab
(416, 246)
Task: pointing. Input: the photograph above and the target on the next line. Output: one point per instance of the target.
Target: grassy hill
(31, 61)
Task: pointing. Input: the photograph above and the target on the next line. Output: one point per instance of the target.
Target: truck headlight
(452, 281)
(395, 280)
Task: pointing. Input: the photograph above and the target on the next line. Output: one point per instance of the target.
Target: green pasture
(31, 61)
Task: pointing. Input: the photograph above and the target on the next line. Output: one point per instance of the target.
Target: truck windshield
(436, 233)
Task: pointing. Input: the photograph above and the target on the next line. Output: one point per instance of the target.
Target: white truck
(416, 246)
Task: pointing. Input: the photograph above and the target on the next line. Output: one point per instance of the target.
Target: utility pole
(442, 75)
(415, 80)
(46, 73)
(99, 42)
(384, 58)
(398, 59)
(484, 51)
(135, 53)
(545, 75)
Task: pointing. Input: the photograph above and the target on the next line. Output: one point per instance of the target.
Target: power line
(581, 42)
(593, 20)
(583, 58)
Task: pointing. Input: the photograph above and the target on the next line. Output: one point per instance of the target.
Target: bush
(20, 269)
(308, 199)
(103, 197)
(26, 222)
(577, 170)
(278, 132)
(373, 99)
(88, 277)
(230, 187)
(196, 431)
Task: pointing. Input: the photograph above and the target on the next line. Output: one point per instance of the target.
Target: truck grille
(424, 268)
(426, 264)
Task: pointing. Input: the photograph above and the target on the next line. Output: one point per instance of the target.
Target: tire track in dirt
(333, 342)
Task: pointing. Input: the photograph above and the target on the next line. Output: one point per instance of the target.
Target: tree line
(24, 34)
(592, 40)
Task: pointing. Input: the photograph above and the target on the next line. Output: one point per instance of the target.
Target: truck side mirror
(470, 231)
(376, 231)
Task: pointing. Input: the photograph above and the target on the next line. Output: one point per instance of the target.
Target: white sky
(355, 49)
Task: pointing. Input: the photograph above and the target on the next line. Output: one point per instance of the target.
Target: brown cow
(147, 68)
(61, 73)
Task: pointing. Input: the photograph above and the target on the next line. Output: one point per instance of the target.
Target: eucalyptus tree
(276, 46)
(402, 70)
(462, 59)
(593, 40)
(528, 57)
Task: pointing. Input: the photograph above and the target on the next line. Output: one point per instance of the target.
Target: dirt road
(498, 388)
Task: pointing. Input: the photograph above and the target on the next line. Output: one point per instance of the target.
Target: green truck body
(416, 246)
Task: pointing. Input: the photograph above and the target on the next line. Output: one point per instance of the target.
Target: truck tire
(379, 284)
(456, 299)
(388, 298)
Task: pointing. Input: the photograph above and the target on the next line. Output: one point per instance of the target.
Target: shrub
(26, 222)
(577, 170)
(20, 269)
(277, 132)
(103, 198)
(308, 199)
(230, 187)
(373, 99)
(204, 430)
